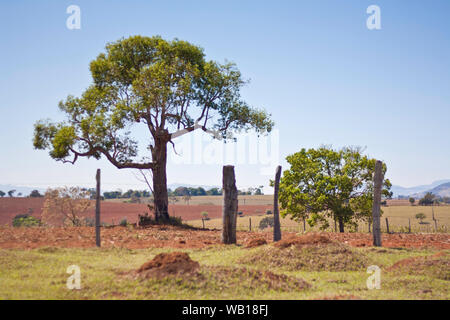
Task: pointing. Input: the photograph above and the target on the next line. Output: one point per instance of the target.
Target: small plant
(123, 222)
(25, 220)
(88, 222)
(205, 215)
(268, 211)
(146, 220)
(266, 223)
(420, 216)
(240, 213)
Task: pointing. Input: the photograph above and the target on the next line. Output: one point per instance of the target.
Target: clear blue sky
(314, 65)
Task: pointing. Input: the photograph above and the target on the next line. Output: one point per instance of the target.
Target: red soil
(114, 212)
(174, 237)
(167, 264)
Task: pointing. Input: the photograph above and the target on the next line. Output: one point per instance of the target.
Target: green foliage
(35, 194)
(268, 211)
(420, 216)
(266, 222)
(146, 220)
(123, 222)
(2, 194)
(412, 200)
(25, 220)
(325, 183)
(165, 85)
(427, 200)
(205, 215)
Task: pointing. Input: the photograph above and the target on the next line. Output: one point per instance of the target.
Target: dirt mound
(168, 264)
(437, 266)
(318, 257)
(252, 279)
(305, 240)
(255, 243)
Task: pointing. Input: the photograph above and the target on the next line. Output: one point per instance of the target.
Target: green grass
(41, 274)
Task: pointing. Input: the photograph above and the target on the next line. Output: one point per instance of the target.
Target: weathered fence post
(304, 224)
(230, 205)
(409, 225)
(97, 210)
(387, 225)
(249, 224)
(369, 227)
(276, 212)
(378, 181)
(203, 223)
(435, 226)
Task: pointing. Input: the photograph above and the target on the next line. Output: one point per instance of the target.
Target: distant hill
(442, 190)
(417, 190)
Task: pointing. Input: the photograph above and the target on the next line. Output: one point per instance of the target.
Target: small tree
(11, 193)
(2, 194)
(187, 198)
(65, 206)
(420, 216)
(35, 194)
(412, 201)
(205, 215)
(329, 184)
(427, 200)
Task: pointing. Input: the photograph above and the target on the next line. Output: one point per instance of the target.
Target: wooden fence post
(369, 227)
(249, 224)
(435, 225)
(304, 224)
(409, 225)
(378, 181)
(276, 212)
(387, 225)
(230, 205)
(97, 210)
(203, 223)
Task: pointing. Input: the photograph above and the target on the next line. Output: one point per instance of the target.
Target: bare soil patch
(176, 237)
(436, 266)
(257, 242)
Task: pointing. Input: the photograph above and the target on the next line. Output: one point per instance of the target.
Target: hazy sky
(314, 65)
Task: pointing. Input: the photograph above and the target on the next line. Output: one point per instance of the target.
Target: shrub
(268, 211)
(25, 220)
(266, 223)
(205, 215)
(240, 213)
(123, 222)
(88, 222)
(146, 220)
(420, 216)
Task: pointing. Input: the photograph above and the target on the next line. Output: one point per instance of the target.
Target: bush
(88, 222)
(146, 220)
(123, 222)
(268, 211)
(205, 215)
(25, 220)
(266, 223)
(240, 213)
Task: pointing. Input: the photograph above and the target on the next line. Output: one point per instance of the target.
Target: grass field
(41, 274)
(398, 218)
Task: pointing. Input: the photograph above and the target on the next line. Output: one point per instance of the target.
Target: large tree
(167, 86)
(324, 184)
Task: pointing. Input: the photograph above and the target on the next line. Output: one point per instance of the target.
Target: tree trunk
(276, 211)
(378, 184)
(341, 224)
(230, 205)
(160, 196)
